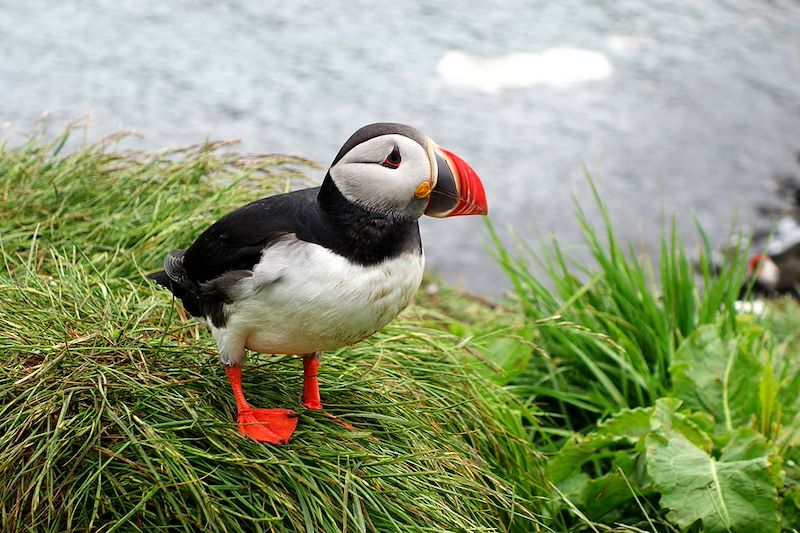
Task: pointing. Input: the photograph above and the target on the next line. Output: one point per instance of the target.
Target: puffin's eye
(393, 160)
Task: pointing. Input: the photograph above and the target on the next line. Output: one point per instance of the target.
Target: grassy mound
(115, 414)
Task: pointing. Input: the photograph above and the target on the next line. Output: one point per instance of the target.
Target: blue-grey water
(684, 107)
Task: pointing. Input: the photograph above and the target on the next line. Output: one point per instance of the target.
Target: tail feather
(161, 278)
(173, 267)
(173, 278)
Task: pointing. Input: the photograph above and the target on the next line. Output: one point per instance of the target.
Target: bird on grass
(320, 268)
(776, 271)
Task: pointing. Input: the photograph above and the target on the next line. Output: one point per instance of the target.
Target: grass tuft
(606, 330)
(120, 208)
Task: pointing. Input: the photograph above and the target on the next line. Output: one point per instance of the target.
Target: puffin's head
(764, 270)
(397, 170)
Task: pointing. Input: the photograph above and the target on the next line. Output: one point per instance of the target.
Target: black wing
(236, 241)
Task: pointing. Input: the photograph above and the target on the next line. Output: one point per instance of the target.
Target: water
(680, 107)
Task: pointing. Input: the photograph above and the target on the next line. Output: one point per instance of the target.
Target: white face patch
(363, 180)
(770, 274)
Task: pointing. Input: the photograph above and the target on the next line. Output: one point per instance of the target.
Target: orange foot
(274, 426)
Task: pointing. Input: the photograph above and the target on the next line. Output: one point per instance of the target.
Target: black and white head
(397, 170)
(766, 273)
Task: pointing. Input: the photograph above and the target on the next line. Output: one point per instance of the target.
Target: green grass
(648, 378)
(598, 398)
(116, 415)
(608, 328)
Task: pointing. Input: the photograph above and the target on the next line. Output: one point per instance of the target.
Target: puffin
(324, 267)
(776, 271)
(774, 275)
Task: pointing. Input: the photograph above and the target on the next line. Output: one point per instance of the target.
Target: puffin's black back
(318, 215)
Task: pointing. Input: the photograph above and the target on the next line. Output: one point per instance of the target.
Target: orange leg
(311, 387)
(310, 383)
(274, 426)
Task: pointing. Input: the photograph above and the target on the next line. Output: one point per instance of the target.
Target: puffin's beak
(458, 190)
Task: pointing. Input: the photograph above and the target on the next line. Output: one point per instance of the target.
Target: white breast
(304, 298)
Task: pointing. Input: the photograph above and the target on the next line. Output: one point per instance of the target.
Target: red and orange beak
(458, 190)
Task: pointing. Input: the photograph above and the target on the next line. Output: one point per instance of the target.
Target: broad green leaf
(732, 493)
(667, 418)
(785, 359)
(629, 425)
(663, 412)
(568, 461)
(573, 488)
(703, 421)
(598, 496)
(718, 376)
(768, 391)
(790, 436)
(603, 495)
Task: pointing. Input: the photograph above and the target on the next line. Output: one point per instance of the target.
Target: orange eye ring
(393, 160)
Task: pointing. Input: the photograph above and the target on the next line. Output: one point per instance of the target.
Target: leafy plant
(712, 450)
(721, 376)
(731, 493)
(667, 409)
(606, 332)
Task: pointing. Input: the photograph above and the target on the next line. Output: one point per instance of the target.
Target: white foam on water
(624, 44)
(557, 67)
